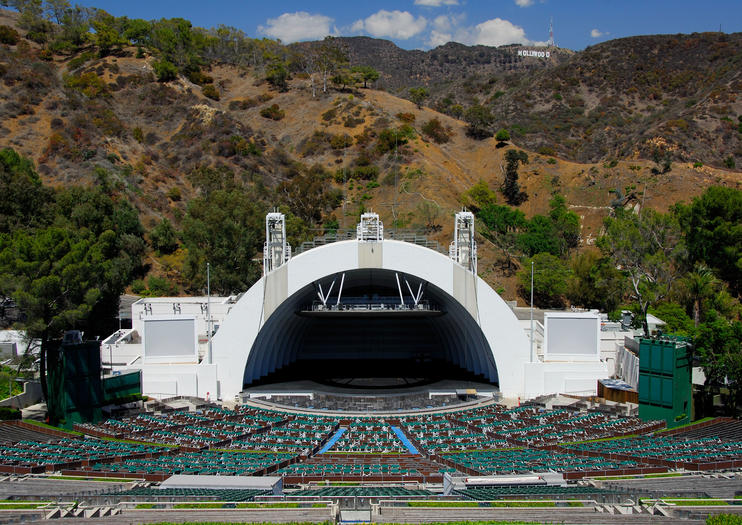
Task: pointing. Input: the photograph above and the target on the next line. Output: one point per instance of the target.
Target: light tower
(370, 229)
(463, 249)
(276, 249)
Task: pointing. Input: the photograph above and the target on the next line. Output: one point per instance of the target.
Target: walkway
(405, 441)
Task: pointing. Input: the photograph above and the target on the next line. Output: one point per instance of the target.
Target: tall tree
(510, 187)
(479, 119)
(713, 227)
(648, 248)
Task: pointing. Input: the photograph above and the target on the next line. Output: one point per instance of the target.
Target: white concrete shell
(480, 328)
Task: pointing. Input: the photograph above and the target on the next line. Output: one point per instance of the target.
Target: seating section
(368, 436)
(300, 435)
(677, 449)
(438, 434)
(361, 492)
(198, 463)
(531, 491)
(186, 494)
(531, 460)
(65, 451)
(364, 467)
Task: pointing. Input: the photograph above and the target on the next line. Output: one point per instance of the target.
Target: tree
(329, 58)
(367, 74)
(712, 224)
(549, 280)
(165, 71)
(539, 236)
(510, 187)
(647, 248)
(418, 96)
(595, 283)
(277, 75)
(699, 285)
(503, 225)
(718, 344)
(26, 201)
(222, 228)
(566, 224)
(164, 237)
(479, 196)
(479, 120)
(502, 137)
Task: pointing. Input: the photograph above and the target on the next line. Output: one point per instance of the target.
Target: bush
(9, 36)
(165, 71)
(89, 84)
(329, 115)
(210, 91)
(341, 141)
(436, 131)
(502, 135)
(159, 287)
(273, 112)
(9, 413)
(164, 237)
(407, 118)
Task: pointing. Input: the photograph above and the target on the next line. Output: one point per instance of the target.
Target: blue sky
(423, 24)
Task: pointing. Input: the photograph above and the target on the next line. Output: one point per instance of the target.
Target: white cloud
(436, 3)
(524, 3)
(438, 38)
(292, 27)
(597, 33)
(499, 32)
(442, 23)
(392, 24)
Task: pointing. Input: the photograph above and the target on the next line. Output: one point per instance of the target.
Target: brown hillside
(83, 119)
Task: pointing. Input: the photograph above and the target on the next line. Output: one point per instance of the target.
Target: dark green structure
(76, 391)
(665, 389)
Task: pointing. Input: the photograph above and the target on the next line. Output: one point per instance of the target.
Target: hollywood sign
(533, 53)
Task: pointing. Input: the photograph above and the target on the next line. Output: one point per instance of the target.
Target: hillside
(86, 119)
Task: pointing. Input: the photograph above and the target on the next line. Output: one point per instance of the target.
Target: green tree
(418, 96)
(510, 187)
(712, 224)
(164, 237)
(164, 71)
(718, 344)
(502, 137)
(566, 224)
(550, 275)
(222, 228)
(277, 75)
(26, 201)
(648, 249)
(502, 226)
(367, 74)
(595, 282)
(539, 236)
(479, 196)
(479, 119)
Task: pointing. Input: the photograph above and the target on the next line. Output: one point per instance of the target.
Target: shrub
(210, 91)
(164, 238)
(9, 36)
(174, 194)
(160, 286)
(341, 141)
(407, 118)
(9, 413)
(165, 71)
(273, 112)
(546, 150)
(329, 115)
(198, 77)
(502, 135)
(138, 134)
(366, 172)
(89, 84)
(729, 162)
(436, 131)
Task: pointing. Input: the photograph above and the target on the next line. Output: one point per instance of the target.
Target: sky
(425, 24)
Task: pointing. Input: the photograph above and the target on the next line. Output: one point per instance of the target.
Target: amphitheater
(438, 412)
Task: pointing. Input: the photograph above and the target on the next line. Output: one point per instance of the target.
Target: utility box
(665, 389)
